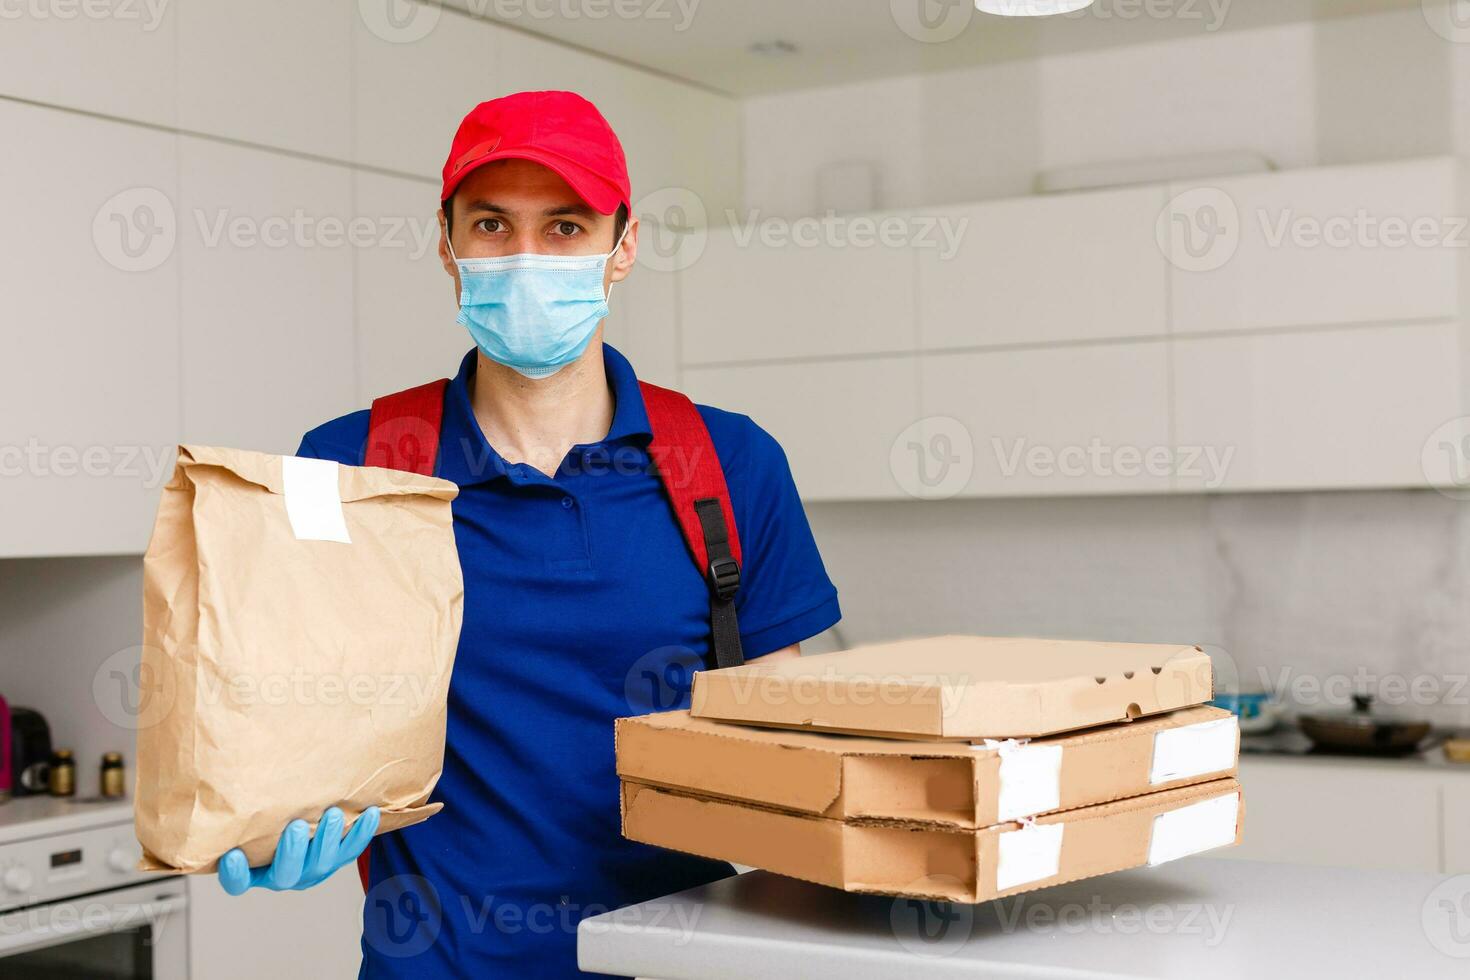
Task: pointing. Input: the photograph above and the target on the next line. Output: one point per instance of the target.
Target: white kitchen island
(1199, 919)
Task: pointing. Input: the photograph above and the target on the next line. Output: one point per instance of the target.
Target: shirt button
(567, 502)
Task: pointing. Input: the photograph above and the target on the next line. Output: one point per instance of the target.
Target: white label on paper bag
(1191, 829)
(1030, 854)
(1030, 778)
(1194, 750)
(313, 502)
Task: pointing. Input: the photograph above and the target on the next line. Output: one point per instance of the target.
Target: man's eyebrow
(579, 210)
(486, 206)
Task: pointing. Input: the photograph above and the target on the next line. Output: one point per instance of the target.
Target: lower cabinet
(1354, 814)
(311, 933)
(1457, 827)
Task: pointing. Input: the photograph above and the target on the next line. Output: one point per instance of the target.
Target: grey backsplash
(1312, 594)
(66, 626)
(1340, 589)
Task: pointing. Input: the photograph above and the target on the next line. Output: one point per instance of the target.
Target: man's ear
(623, 262)
(444, 257)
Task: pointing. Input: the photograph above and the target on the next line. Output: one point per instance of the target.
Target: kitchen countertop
(1288, 742)
(1198, 918)
(24, 817)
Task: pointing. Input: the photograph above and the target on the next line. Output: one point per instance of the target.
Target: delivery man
(581, 603)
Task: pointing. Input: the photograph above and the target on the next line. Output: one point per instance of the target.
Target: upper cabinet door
(266, 272)
(396, 61)
(842, 423)
(89, 396)
(1060, 420)
(405, 300)
(117, 59)
(1044, 269)
(644, 322)
(764, 290)
(1364, 244)
(296, 97)
(1359, 407)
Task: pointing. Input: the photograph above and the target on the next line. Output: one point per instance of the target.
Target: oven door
(134, 933)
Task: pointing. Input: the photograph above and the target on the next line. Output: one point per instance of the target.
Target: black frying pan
(1361, 730)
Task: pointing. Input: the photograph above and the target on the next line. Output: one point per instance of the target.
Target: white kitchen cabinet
(114, 59)
(1456, 802)
(405, 301)
(1063, 420)
(89, 398)
(643, 322)
(1320, 409)
(1342, 814)
(271, 72)
(837, 420)
(311, 933)
(1364, 244)
(749, 297)
(1051, 268)
(453, 54)
(267, 295)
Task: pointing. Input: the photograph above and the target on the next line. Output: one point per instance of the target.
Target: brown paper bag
(300, 623)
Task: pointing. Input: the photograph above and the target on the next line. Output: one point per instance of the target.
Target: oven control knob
(121, 860)
(18, 879)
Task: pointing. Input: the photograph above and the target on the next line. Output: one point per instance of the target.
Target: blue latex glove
(302, 860)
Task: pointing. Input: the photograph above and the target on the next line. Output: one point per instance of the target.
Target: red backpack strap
(403, 434)
(685, 459)
(403, 430)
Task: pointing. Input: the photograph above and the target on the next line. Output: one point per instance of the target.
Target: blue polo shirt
(581, 605)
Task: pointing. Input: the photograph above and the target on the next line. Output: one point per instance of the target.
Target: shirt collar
(466, 456)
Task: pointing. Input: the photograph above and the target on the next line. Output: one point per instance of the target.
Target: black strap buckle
(724, 578)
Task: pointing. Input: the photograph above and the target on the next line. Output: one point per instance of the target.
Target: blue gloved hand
(301, 860)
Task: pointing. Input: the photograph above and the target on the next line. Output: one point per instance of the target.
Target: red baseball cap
(559, 130)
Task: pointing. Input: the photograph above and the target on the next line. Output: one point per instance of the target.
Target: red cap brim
(603, 196)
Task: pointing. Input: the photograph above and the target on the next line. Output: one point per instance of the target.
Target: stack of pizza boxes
(955, 768)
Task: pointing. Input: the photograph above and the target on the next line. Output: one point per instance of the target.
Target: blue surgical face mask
(533, 313)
